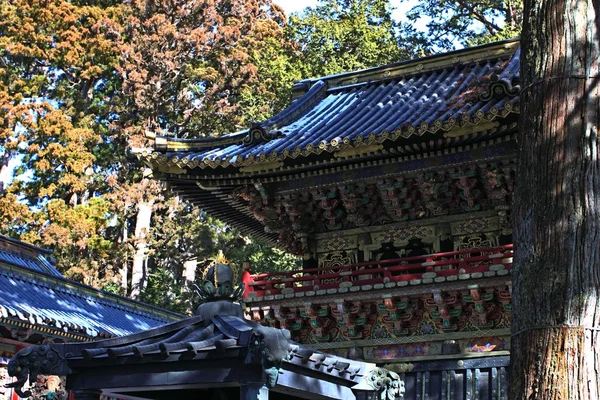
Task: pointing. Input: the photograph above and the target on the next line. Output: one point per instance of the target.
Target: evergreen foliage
(462, 22)
(345, 35)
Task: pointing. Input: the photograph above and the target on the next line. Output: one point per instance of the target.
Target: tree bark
(124, 270)
(556, 275)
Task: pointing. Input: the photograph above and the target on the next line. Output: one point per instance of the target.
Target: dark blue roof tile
(34, 291)
(432, 101)
(39, 263)
(61, 303)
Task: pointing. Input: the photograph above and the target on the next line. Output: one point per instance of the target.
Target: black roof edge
(248, 136)
(241, 134)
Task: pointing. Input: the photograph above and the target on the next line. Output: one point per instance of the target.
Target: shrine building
(215, 354)
(395, 185)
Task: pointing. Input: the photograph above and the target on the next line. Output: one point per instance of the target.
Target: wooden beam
(306, 387)
(254, 391)
(86, 394)
(122, 396)
(163, 376)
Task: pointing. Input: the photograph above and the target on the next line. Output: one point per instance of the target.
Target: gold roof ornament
(218, 280)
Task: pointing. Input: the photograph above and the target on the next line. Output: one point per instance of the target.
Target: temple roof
(218, 333)
(27, 256)
(404, 120)
(199, 338)
(446, 95)
(36, 296)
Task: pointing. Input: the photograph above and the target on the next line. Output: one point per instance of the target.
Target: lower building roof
(201, 343)
(36, 296)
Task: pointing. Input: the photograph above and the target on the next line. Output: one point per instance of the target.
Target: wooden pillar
(254, 391)
(85, 395)
(366, 395)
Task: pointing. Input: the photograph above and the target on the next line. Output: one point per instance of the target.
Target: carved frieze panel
(338, 242)
(403, 235)
(296, 215)
(336, 259)
(475, 241)
(439, 312)
(419, 349)
(475, 233)
(393, 351)
(475, 225)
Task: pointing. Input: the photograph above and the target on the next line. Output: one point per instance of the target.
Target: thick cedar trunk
(556, 275)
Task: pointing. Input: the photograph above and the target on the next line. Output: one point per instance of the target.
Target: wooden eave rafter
(394, 155)
(218, 203)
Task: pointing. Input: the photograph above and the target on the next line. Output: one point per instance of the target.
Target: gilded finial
(218, 279)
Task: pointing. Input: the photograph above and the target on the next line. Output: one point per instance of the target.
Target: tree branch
(491, 27)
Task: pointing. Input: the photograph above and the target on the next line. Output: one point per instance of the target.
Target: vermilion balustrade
(373, 272)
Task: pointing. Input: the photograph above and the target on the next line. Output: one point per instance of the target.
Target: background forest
(83, 81)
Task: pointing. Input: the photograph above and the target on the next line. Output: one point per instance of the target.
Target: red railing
(373, 272)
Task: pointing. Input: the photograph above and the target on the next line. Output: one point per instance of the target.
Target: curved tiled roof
(401, 101)
(33, 257)
(39, 263)
(198, 343)
(66, 307)
(35, 294)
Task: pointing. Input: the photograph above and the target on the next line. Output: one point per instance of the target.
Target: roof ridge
(161, 142)
(258, 131)
(481, 52)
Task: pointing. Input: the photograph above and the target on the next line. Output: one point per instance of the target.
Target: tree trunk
(139, 272)
(189, 271)
(4, 171)
(556, 276)
(509, 15)
(124, 270)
